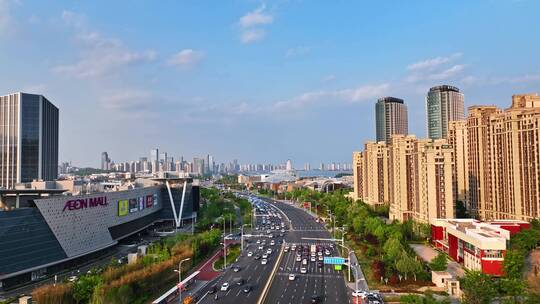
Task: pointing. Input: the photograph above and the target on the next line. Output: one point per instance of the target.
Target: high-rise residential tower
(105, 161)
(390, 118)
(444, 104)
(29, 139)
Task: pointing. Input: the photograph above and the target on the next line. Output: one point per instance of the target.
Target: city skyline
(114, 67)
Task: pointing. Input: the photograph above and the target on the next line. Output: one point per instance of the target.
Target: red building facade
(477, 245)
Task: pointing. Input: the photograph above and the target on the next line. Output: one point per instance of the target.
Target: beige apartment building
(413, 176)
(457, 138)
(504, 159)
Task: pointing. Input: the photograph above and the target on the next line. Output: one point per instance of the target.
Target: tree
(84, 288)
(461, 211)
(392, 249)
(439, 263)
(478, 288)
(408, 265)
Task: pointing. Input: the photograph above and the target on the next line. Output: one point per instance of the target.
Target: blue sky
(257, 81)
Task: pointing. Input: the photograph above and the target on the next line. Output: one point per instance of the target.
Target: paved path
(427, 253)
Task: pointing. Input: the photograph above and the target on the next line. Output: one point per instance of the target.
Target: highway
(324, 282)
(252, 271)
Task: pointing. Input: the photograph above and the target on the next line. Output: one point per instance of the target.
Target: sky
(256, 81)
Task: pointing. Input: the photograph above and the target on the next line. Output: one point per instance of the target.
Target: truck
(313, 248)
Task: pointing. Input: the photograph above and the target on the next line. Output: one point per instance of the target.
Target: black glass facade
(29, 137)
(26, 241)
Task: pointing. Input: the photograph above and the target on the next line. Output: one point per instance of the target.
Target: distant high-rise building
(390, 118)
(29, 132)
(105, 161)
(443, 104)
(288, 166)
(307, 167)
(154, 155)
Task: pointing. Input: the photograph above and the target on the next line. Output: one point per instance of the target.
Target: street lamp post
(180, 279)
(242, 237)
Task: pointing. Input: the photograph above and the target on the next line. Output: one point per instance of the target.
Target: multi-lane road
(325, 283)
(319, 281)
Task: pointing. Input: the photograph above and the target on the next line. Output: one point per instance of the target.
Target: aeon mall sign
(83, 203)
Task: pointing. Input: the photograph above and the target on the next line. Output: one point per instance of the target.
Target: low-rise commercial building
(479, 246)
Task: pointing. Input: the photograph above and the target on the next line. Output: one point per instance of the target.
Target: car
(327, 252)
(256, 257)
(72, 279)
(293, 247)
(264, 261)
(258, 241)
(212, 289)
(321, 258)
(286, 249)
(247, 288)
(239, 281)
(265, 256)
(320, 264)
(303, 270)
(298, 258)
(304, 262)
(236, 268)
(319, 253)
(269, 251)
(224, 286)
(272, 242)
(359, 293)
(292, 276)
(261, 247)
(312, 259)
(316, 299)
(250, 253)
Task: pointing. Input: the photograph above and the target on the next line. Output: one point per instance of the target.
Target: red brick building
(477, 245)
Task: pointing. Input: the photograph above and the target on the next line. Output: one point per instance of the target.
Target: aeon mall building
(51, 233)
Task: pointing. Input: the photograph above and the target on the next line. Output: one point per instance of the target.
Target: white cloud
(251, 25)
(438, 68)
(73, 19)
(255, 18)
(103, 56)
(350, 95)
(329, 78)
(186, 57)
(297, 51)
(248, 36)
(130, 100)
(432, 63)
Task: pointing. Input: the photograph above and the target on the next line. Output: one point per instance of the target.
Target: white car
(312, 259)
(261, 247)
(269, 251)
(224, 287)
(250, 254)
(298, 258)
(321, 258)
(72, 279)
(264, 261)
(272, 242)
(292, 276)
(304, 262)
(303, 270)
(286, 249)
(265, 256)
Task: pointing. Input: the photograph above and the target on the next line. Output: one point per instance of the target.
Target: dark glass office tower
(28, 139)
(390, 118)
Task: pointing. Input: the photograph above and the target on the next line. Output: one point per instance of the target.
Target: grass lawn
(232, 254)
